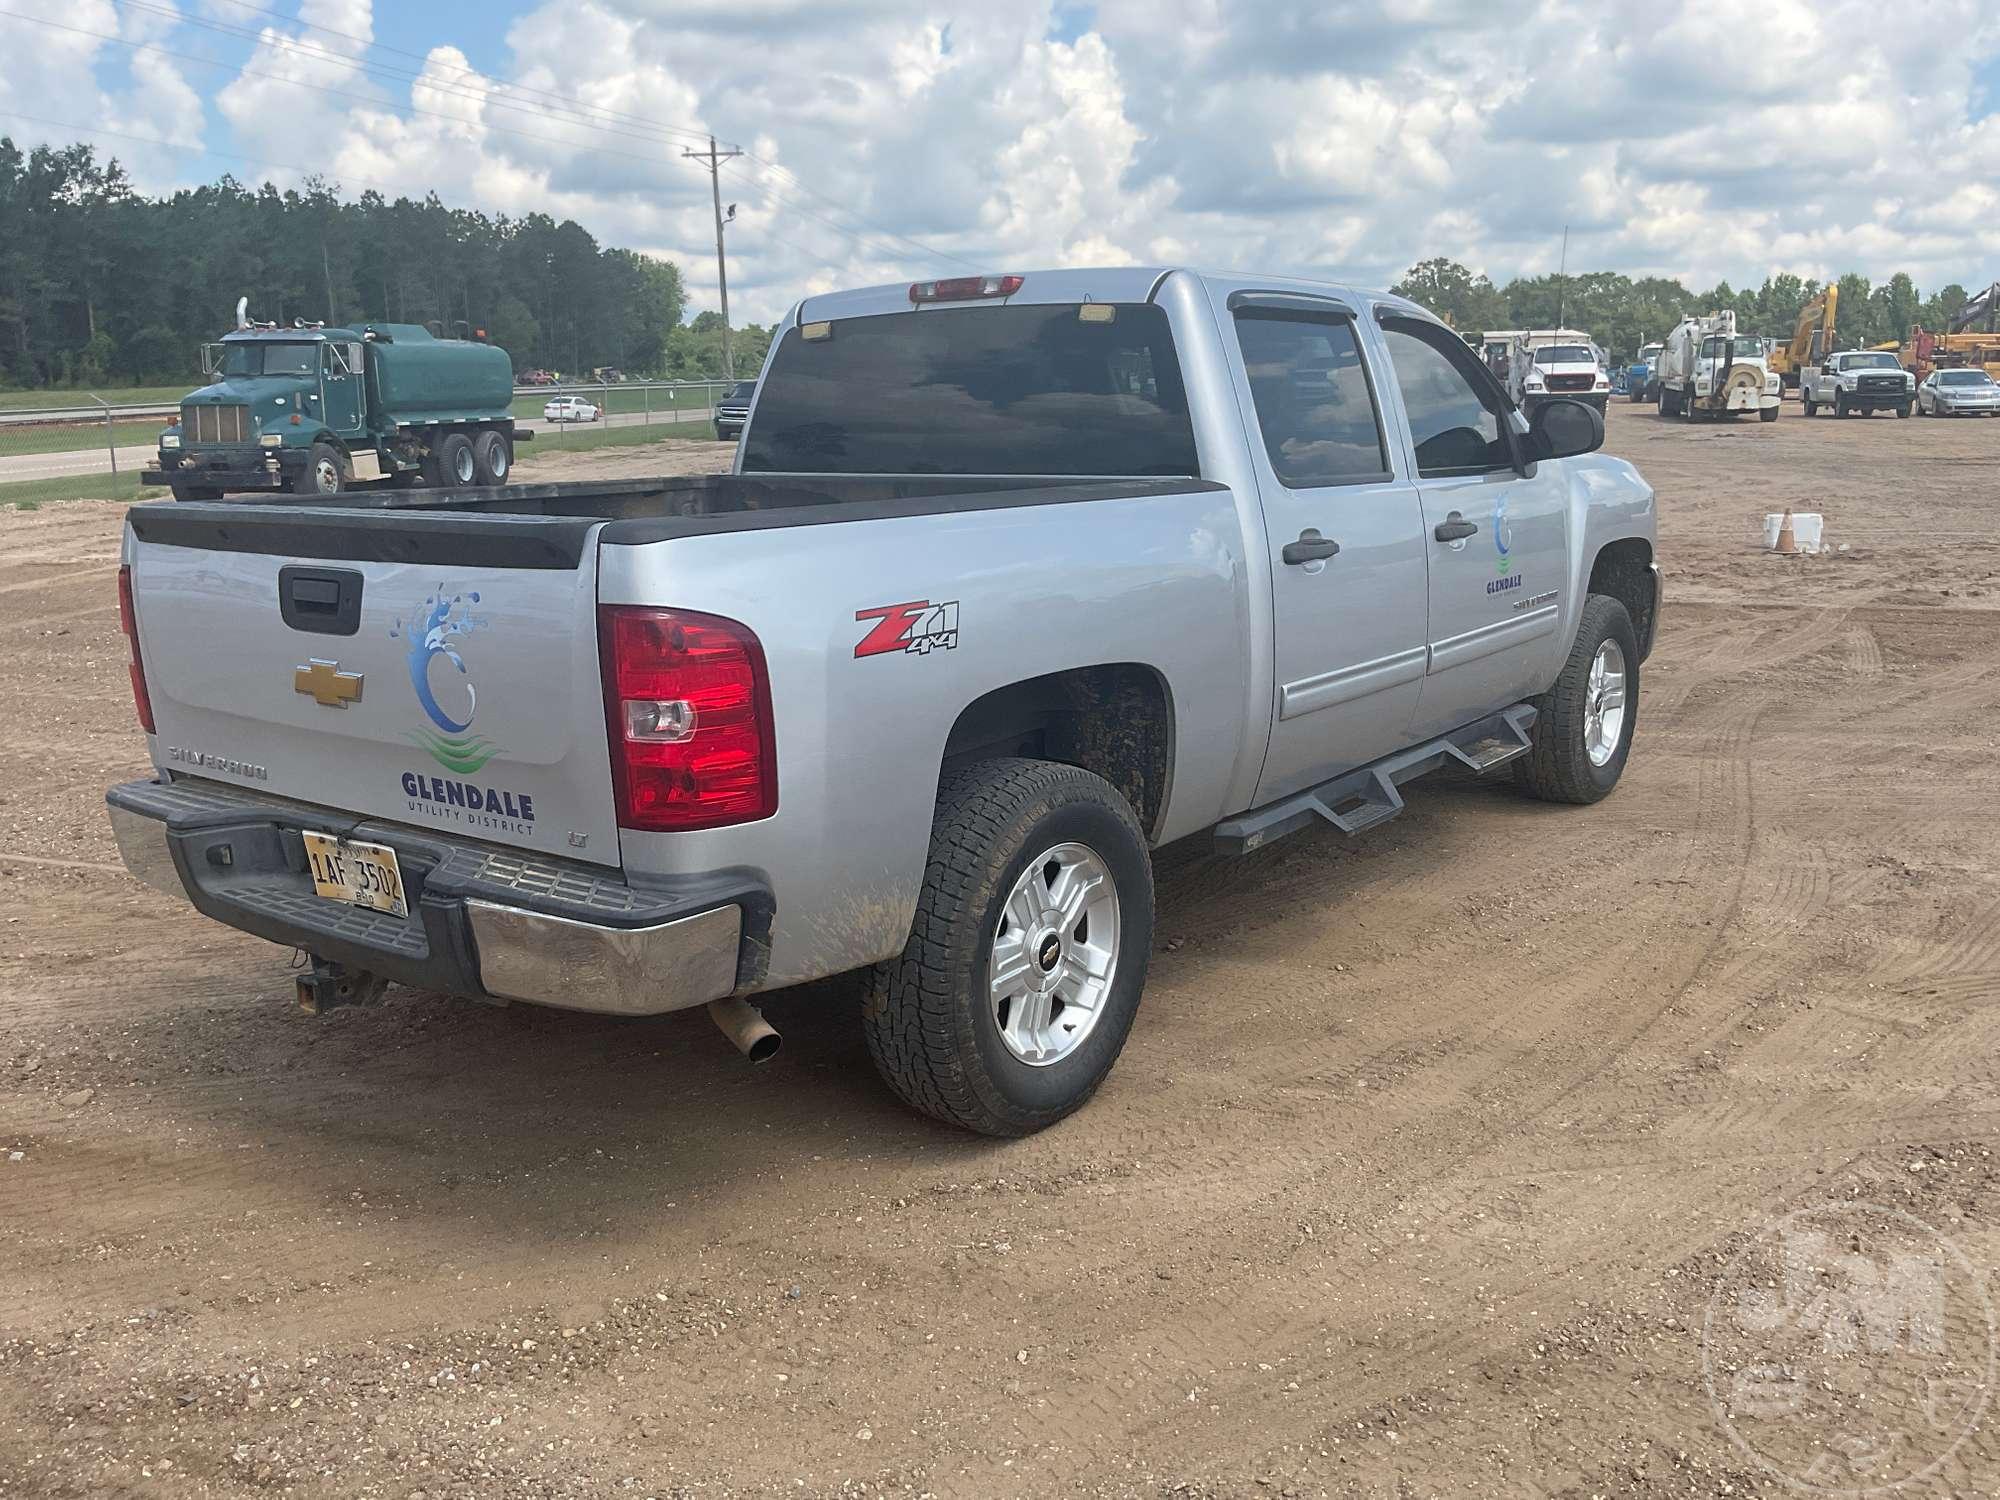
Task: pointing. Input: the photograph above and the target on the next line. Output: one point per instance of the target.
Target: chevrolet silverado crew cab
(1106, 559)
(1863, 380)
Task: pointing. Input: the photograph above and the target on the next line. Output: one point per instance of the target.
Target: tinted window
(743, 390)
(1313, 399)
(978, 390)
(1564, 354)
(1454, 423)
(1964, 377)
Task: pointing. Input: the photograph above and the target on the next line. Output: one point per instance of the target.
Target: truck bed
(555, 517)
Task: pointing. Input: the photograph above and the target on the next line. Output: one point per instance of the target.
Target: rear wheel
(325, 472)
(492, 457)
(1812, 406)
(456, 461)
(1583, 725)
(1023, 970)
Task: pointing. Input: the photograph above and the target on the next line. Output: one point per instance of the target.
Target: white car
(1947, 393)
(570, 409)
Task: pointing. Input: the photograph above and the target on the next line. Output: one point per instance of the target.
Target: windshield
(1870, 362)
(1964, 377)
(1746, 348)
(1649, 353)
(1015, 389)
(743, 390)
(1564, 354)
(256, 357)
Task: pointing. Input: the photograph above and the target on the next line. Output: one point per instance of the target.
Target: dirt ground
(1418, 1176)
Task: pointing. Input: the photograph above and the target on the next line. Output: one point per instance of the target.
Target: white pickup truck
(1858, 380)
(1018, 577)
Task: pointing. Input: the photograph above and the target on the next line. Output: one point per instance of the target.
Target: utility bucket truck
(1708, 370)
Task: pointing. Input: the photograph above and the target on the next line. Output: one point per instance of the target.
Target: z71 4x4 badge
(916, 629)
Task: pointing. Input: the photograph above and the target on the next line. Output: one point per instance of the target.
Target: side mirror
(1563, 429)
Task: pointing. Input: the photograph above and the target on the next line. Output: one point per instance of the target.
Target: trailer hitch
(326, 985)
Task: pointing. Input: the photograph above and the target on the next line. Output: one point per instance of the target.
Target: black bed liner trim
(549, 525)
(374, 534)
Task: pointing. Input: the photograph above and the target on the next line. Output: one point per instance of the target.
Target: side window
(1314, 403)
(1456, 421)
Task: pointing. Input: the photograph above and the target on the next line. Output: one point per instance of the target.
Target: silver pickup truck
(1017, 578)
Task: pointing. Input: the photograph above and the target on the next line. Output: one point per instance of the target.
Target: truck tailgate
(439, 669)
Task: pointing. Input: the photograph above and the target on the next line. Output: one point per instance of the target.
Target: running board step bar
(1361, 799)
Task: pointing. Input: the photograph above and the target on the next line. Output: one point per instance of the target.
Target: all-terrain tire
(1559, 768)
(1903, 410)
(927, 1014)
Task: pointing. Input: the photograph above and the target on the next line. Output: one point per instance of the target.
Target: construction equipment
(1812, 337)
(1708, 370)
(1983, 309)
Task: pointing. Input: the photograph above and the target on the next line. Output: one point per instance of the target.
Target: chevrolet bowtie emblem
(326, 684)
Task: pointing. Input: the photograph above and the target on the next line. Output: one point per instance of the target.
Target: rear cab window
(1003, 389)
(1315, 405)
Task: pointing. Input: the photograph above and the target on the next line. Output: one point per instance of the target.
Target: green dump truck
(317, 410)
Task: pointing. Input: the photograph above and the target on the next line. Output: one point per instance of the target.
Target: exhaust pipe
(745, 1025)
(242, 313)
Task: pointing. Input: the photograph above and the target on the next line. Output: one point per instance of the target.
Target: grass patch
(71, 437)
(117, 395)
(33, 494)
(581, 439)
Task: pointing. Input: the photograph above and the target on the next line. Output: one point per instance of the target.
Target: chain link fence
(75, 445)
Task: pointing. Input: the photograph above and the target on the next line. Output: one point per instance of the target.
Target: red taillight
(688, 704)
(128, 622)
(964, 288)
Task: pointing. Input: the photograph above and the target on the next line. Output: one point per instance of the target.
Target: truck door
(1497, 539)
(1346, 539)
(340, 388)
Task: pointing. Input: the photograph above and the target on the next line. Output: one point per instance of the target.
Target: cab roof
(1063, 285)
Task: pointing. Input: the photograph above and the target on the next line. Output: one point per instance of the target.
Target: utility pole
(715, 159)
(1562, 283)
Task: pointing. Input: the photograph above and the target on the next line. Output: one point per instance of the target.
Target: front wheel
(188, 492)
(325, 472)
(1023, 969)
(1903, 410)
(1583, 724)
(1767, 414)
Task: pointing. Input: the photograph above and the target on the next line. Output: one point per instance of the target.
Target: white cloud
(1343, 137)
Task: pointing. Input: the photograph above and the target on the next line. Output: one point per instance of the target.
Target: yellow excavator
(1812, 337)
(1970, 341)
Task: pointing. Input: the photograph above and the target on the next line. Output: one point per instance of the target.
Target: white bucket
(1808, 528)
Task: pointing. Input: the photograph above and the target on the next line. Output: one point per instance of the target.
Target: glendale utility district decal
(916, 629)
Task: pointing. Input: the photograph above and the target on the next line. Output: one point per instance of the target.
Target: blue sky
(888, 138)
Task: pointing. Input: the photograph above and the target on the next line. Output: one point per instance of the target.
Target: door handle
(1454, 528)
(1310, 547)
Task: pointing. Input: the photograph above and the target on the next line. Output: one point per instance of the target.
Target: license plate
(359, 874)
